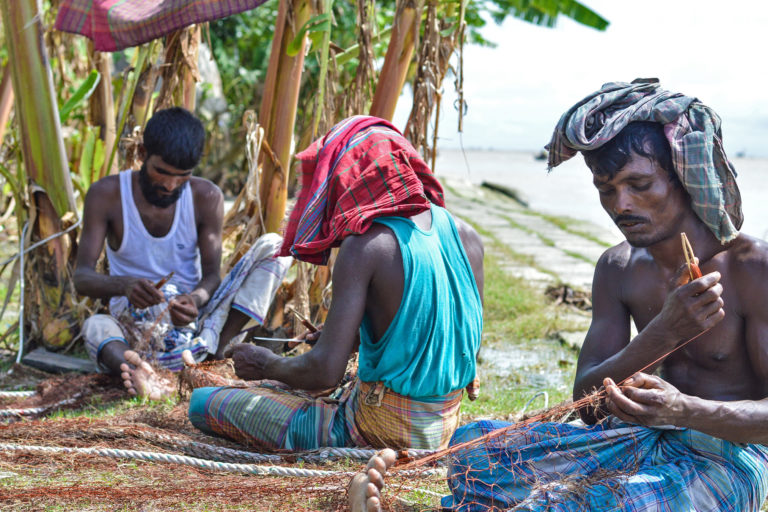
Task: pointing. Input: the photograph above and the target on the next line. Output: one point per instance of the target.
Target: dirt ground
(100, 415)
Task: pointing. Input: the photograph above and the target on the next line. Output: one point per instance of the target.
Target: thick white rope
(4, 413)
(201, 463)
(318, 456)
(17, 394)
(178, 459)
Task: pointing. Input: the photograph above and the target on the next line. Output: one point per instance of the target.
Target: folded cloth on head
(360, 170)
(693, 132)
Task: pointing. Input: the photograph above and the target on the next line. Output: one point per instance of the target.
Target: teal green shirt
(430, 347)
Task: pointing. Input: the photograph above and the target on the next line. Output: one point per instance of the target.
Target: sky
(517, 91)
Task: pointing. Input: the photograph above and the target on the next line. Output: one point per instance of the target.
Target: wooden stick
(164, 280)
(304, 320)
(690, 261)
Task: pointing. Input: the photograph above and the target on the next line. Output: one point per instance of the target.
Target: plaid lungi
(117, 24)
(693, 132)
(271, 418)
(609, 467)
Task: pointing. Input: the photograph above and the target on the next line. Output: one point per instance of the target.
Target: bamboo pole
(278, 109)
(405, 33)
(6, 100)
(45, 159)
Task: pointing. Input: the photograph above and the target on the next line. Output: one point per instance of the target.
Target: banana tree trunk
(405, 33)
(278, 109)
(45, 161)
(43, 147)
(6, 100)
(102, 106)
(442, 34)
(191, 74)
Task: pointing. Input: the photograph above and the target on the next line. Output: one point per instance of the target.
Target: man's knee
(98, 331)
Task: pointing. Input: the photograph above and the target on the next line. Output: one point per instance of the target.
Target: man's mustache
(628, 218)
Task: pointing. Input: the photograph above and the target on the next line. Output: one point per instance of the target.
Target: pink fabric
(117, 24)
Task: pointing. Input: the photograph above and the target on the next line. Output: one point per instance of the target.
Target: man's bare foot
(188, 358)
(141, 380)
(364, 491)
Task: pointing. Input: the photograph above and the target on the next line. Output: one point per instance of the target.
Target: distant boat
(541, 155)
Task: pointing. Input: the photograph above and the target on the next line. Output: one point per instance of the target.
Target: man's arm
(607, 351)
(98, 201)
(209, 205)
(473, 247)
(649, 400)
(324, 365)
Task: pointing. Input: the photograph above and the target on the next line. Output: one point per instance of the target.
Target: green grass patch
(520, 356)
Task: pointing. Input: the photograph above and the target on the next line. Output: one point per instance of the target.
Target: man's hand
(182, 309)
(142, 293)
(645, 400)
(251, 361)
(694, 307)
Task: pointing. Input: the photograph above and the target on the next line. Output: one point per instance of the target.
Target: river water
(568, 190)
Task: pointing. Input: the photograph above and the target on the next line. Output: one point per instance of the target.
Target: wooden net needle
(689, 257)
(164, 280)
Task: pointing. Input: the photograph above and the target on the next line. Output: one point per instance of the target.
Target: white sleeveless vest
(142, 255)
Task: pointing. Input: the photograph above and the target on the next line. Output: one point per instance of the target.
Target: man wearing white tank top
(156, 222)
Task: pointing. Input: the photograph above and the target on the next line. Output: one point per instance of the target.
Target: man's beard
(153, 193)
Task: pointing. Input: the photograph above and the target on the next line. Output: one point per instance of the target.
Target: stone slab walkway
(543, 250)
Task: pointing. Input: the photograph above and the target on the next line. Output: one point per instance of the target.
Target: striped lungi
(272, 418)
(613, 466)
(249, 288)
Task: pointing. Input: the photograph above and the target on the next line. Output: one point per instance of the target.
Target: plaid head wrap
(362, 169)
(693, 132)
(117, 24)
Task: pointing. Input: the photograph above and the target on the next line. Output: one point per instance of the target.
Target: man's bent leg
(245, 293)
(105, 342)
(269, 418)
(107, 347)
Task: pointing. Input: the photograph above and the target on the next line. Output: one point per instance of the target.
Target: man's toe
(373, 504)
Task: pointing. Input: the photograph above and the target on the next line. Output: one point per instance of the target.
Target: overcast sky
(712, 50)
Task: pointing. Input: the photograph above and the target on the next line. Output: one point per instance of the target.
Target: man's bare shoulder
(470, 239)
(748, 260)
(206, 194)
(377, 243)
(618, 258)
(203, 189)
(106, 185)
(105, 193)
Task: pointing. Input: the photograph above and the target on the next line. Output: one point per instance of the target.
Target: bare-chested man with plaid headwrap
(685, 430)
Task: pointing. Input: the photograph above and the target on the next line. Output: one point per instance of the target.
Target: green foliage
(539, 12)
(80, 96)
(315, 27)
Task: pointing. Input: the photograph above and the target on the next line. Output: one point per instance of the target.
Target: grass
(519, 325)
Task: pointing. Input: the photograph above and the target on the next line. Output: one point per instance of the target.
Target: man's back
(423, 315)
(380, 248)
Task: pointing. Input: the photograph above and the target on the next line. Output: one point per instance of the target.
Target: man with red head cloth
(407, 287)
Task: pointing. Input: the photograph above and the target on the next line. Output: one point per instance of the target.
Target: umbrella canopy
(116, 24)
